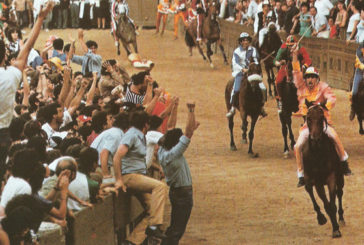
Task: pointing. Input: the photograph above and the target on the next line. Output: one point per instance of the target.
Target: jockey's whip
(268, 55)
(304, 34)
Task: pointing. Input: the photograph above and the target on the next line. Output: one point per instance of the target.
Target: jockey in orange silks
(199, 8)
(312, 90)
(119, 7)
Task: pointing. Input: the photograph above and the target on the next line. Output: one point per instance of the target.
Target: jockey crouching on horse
(199, 9)
(358, 76)
(242, 57)
(310, 89)
(283, 59)
(119, 7)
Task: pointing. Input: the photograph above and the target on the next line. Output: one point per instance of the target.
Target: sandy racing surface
(238, 200)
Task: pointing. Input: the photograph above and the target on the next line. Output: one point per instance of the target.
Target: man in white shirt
(9, 81)
(319, 24)
(323, 7)
(252, 10)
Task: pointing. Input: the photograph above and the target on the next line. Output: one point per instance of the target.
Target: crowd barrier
(107, 223)
(333, 58)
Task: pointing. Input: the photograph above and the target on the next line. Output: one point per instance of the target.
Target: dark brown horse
(210, 32)
(289, 105)
(358, 106)
(126, 34)
(271, 44)
(250, 104)
(322, 167)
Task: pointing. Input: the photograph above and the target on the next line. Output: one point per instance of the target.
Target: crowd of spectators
(68, 138)
(334, 19)
(65, 14)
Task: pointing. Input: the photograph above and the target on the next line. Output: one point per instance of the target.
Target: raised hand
(45, 10)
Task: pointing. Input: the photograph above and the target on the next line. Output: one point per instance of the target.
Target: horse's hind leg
(321, 219)
(222, 51)
(284, 133)
(330, 207)
(231, 128)
(340, 192)
(291, 136)
(209, 53)
(201, 52)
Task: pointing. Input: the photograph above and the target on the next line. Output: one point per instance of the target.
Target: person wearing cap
(283, 58)
(57, 63)
(358, 76)
(264, 17)
(310, 89)
(242, 56)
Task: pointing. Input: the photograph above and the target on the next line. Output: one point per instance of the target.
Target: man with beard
(136, 90)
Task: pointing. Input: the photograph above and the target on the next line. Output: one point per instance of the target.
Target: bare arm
(82, 42)
(91, 92)
(149, 93)
(150, 106)
(61, 211)
(104, 156)
(22, 58)
(26, 89)
(192, 125)
(77, 100)
(72, 50)
(65, 87)
(172, 121)
(354, 29)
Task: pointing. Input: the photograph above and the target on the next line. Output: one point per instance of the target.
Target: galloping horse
(250, 104)
(289, 105)
(125, 32)
(358, 104)
(210, 31)
(271, 44)
(322, 167)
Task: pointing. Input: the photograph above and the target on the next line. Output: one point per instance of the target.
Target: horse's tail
(189, 39)
(228, 89)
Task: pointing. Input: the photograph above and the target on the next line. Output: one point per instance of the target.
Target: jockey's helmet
(311, 71)
(243, 36)
(291, 40)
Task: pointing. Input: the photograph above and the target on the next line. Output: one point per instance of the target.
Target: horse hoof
(233, 148)
(244, 141)
(212, 66)
(321, 219)
(361, 132)
(336, 234)
(342, 222)
(253, 155)
(286, 155)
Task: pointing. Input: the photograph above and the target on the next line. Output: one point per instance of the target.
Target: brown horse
(250, 104)
(126, 34)
(358, 106)
(322, 167)
(210, 31)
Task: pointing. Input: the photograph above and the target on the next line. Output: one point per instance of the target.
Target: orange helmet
(291, 40)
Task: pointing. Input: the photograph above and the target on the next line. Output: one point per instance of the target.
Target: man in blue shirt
(178, 176)
(130, 174)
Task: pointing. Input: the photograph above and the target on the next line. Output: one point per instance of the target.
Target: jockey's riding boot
(234, 102)
(279, 106)
(301, 182)
(345, 168)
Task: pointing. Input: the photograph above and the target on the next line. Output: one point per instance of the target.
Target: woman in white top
(360, 27)
(353, 22)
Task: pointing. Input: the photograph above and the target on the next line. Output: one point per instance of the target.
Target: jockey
(358, 76)
(240, 63)
(311, 89)
(119, 7)
(199, 8)
(282, 58)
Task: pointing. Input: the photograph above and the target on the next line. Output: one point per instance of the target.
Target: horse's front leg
(340, 193)
(251, 136)
(330, 207)
(209, 53)
(201, 51)
(135, 46)
(126, 47)
(360, 121)
(244, 126)
(269, 81)
(284, 133)
(118, 47)
(231, 129)
(321, 219)
(291, 136)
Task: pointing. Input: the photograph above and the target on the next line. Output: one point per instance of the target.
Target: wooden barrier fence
(107, 223)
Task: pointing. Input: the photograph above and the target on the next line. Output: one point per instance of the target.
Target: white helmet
(245, 35)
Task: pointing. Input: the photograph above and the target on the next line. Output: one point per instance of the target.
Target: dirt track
(238, 200)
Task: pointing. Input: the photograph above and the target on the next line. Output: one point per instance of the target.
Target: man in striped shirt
(135, 92)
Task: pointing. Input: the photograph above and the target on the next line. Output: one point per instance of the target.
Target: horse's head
(213, 7)
(316, 122)
(254, 74)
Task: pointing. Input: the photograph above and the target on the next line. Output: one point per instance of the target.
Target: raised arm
(172, 120)
(91, 92)
(22, 58)
(65, 86)
(82, 42)
(26, 89)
